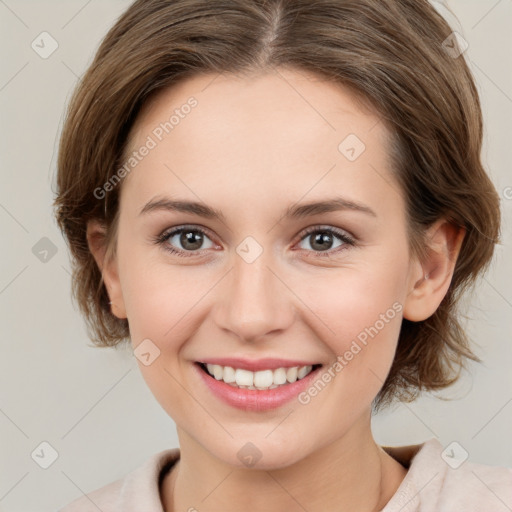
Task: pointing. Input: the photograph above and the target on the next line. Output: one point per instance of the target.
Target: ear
(430, 279)
(96, 239)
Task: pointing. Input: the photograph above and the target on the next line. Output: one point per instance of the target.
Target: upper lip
(255, 365)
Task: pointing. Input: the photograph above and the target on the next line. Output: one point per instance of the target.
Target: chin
(258, 452)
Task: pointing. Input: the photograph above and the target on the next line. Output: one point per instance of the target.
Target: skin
(252, 147)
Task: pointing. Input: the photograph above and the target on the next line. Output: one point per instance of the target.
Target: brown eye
(185, 240)
(324, 240)
(191, 240)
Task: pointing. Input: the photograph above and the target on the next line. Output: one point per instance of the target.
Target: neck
(351, 474)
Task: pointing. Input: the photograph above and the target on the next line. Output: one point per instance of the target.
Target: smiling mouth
(262, 380)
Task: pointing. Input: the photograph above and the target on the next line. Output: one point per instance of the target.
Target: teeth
(229, 375)
(279, 376)
(291, 374)
(242, 377)
(263, 379)
(218, 372)
(303, 371)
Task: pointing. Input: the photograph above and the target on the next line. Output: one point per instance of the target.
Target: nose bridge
(254, 301)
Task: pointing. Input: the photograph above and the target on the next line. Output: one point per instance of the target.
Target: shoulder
(137, 490)
(441, 478)
(105, 498)
(475, 486)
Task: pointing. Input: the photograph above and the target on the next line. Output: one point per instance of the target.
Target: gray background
(92, 405)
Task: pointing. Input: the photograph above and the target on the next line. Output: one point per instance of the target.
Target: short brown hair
(390, 52)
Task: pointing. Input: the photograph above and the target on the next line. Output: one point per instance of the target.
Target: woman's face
(252, 288)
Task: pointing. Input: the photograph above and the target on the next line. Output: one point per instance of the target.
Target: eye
(324, 238)
(188, 240)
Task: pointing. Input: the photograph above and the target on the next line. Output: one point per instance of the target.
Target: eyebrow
(292, 212)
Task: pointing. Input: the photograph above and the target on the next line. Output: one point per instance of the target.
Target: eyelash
(346, 239)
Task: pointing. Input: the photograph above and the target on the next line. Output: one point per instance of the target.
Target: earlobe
(430, 279)
(97, 242)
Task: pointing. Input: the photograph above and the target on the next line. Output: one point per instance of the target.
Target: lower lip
(254, 400)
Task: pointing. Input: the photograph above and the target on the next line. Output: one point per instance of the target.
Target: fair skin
(251, 148)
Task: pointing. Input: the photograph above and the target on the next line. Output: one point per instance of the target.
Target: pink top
(436, 481)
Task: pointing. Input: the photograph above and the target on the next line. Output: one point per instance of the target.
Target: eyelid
(347, 238)
(168, 233)
(183, 227)
(326, 227)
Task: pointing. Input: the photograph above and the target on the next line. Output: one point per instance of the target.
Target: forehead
(281, 129)
(282, 99)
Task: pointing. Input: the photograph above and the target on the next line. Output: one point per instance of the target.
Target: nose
(255, 300)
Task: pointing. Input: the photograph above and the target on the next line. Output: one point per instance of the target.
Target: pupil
(192, 237)
(323, 240)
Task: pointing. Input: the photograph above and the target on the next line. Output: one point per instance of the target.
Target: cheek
(357, 313)
(157, 309)
(160, 303)
(366, 329)
(159, 298)
(349, 300)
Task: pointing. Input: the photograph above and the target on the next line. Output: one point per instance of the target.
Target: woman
(278, 204)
